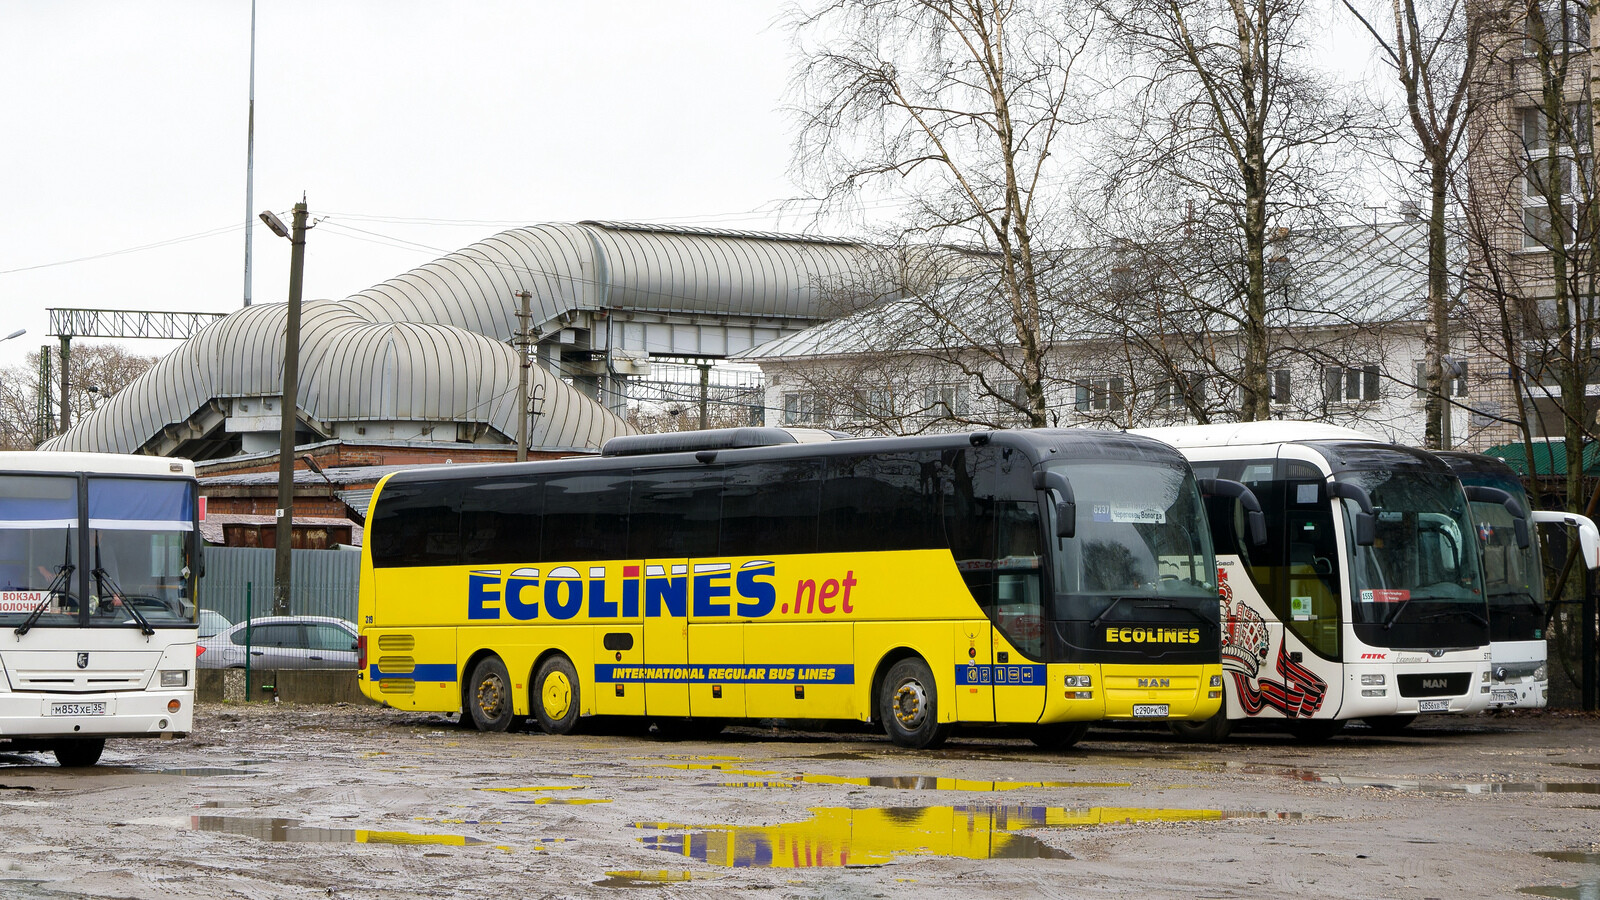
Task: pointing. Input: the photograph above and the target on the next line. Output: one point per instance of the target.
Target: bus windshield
(38, 550)
(1421, 568)
(140, 531)
(1140, 532)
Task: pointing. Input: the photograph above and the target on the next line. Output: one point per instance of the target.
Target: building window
(1458, 381)
(1016, 410)
(1177, 393)
(1348, 384)
(879, 404)
(1556, 172)
(1101, 394)
(1566, 26)
(1280, 386)
(800, 408)
(941, 401)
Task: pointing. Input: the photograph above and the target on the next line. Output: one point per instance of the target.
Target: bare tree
(98, 371)
(1433, 48)
(1227, 132)
(956, 107)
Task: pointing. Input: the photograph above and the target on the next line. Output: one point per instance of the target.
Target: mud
(284, 801)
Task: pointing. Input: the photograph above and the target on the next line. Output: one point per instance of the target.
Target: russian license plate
(1503, 696)
(97, 708)
(1433, 706)
(1150, 710)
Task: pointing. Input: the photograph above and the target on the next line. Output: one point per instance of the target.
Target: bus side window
(1264, 564)
(674, 513)
(585, 517)
(969, 520)
(881, 502)
(770, 508)
(500, 522)
(418, 524)
(1311, 607)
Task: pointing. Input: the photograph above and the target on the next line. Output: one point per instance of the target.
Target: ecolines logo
(1152, 635)
(713, 589)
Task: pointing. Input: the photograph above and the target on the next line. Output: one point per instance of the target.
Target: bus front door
(666, 637)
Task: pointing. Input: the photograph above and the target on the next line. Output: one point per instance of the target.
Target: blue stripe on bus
(425, 672)
(1002, 675)
(724, 674)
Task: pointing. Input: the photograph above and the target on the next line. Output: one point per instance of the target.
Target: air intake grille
(1434, 684)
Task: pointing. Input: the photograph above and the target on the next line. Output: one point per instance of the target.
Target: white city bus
(97, 600)
(1367, 601)
(1515, 578)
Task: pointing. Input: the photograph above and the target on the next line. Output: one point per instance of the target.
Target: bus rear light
(174, 705)
(361, 652)
(174, 678)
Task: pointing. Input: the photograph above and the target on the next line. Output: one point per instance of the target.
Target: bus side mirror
(1366, 519)
(1480, 493)
(1588, 535)
(1255, 520)
(1054, 481)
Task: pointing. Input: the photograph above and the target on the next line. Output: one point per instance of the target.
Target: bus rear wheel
(1058, 736)
(80, 753)
(489, 695)
(555, 696)
(909, 706)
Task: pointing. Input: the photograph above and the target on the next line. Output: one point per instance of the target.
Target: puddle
(1487, 787)
(280, 831)
(1588, 889)
(228, 804)
(23, 889)
(837, 836)
(202, 772)
(1583, 857)
(1592, 766)
(903, 782)
(852, 755)
(564, 801)
(637, 878)
(524, 790)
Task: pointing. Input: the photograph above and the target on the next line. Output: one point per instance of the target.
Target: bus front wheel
(555, 696)
(1058, 736)
(909, 706)
(80, 753)
(1208, 731)
(489, 697)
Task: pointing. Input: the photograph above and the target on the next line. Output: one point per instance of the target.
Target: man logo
(1435, 684)
(83, 660)
(1155, 682)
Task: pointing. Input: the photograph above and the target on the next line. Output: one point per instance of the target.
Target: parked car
(282, 642)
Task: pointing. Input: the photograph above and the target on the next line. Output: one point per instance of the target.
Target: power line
(200, 235)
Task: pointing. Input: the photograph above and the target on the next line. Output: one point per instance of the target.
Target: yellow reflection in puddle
(635, 876)
(836, 836)
(519, 790)
(569, 801)
(929, 783)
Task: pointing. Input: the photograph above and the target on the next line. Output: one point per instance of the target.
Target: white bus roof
(94, 463)
(1239, 434)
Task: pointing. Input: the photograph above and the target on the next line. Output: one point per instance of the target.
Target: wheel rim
(910, 704)
(491, 696)
(555, 695)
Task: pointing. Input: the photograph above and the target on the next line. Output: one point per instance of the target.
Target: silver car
(282, 642)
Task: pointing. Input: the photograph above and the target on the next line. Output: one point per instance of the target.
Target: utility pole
(283, 568)
(705, 390)
(250, 158)
(66, 404)
(524, 343)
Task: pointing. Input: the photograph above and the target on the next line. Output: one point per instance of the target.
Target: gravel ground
(316, 801)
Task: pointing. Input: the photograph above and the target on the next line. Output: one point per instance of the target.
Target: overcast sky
(125, 123)
(413, 128)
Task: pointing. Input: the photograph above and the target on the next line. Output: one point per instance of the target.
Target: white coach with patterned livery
(98, 567)
(1368, 599)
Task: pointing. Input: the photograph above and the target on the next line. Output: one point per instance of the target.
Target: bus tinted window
(417, 524)
(674, 513)
(770, 508)
(585, 517)
(969, 519)
(883, 502)
(500, 521)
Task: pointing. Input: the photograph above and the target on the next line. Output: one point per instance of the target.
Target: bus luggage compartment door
(666, 635)
(618, 647)
(974, 672)
(718, 652)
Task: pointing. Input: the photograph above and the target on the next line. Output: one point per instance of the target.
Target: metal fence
(324, 582)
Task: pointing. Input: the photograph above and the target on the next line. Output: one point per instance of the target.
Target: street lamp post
(283, 567)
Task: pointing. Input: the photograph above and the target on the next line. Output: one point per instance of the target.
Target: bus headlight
(1372, 679)
(1078, 681)
(1374, 692)
(1542, 673)
(1216, 681)
(174, 678)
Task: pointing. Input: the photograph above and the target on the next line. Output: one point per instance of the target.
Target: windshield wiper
(102, 578)
(1389, 622)
(58, 585)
